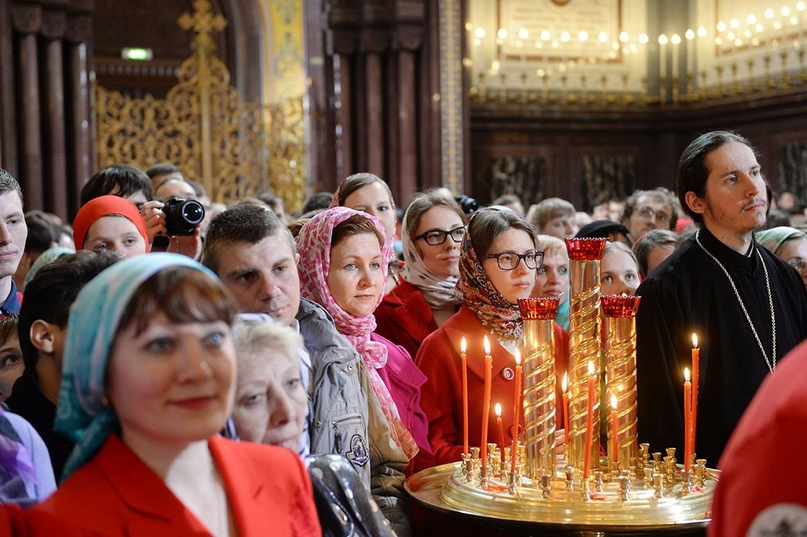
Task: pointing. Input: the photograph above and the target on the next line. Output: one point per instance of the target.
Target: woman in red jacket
(497, 267)
(148, 381)
(433, 229)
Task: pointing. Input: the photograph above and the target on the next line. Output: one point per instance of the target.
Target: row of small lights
(732, 37)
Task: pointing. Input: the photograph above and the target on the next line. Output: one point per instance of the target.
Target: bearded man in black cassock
(747, 306)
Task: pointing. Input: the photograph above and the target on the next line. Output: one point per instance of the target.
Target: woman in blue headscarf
(147, 382)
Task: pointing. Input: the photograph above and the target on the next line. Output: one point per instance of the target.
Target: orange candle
(615, 429)
(498, 411)
(592, 379)
(486, 404)
(696, 369)
(687, 418)
(516, 413)
(565, 387)
(464, 396)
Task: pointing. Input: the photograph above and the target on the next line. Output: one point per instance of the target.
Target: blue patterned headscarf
(82, 415)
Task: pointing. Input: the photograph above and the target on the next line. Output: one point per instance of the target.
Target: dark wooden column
(45, 100)
(381, 90)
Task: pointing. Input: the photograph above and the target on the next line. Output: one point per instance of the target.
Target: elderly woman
(497, 267)
(148, 379)
(270, 408)
(789, 244)
(368, 193)
(433, 228)
(110, 223)
(343, 267)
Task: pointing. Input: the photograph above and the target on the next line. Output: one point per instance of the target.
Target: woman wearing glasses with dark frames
(433, 229)
(498, 264)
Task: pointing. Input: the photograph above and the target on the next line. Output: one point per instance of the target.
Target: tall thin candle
(696, 369)
(486, 404)
(687, 418)
(498, 410)
(517, 411)
(589, 420)
(615, 429)
(464, 359)
(565, 387)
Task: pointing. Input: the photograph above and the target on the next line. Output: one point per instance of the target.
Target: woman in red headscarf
(110, 223)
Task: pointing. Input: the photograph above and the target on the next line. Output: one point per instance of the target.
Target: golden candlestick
(540, 382)
(620, 371)
(584, 339)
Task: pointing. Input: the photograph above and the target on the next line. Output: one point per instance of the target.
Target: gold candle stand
(620, 373)
(540, 383)
(584, 338)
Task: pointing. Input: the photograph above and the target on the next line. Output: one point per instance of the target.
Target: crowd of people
(183, 367)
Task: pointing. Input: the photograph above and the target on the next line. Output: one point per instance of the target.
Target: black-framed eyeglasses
(437, 236)
(511, 260)
(797, 263)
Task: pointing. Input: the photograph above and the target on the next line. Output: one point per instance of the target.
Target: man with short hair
(747, 307)
(43, 332)
(256, 258)
(649, 209)
(13, 233)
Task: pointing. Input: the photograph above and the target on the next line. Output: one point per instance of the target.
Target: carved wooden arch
(244, 39)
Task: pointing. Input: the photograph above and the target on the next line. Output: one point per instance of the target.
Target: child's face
(11, 366)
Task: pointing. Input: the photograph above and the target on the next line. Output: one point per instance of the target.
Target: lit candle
(498, 411)
(696, 368)
(486, 404)
(464, 396)
(615, 428)
(592, 379)
(480, 49)
(662, 62)
(565, 387)
(516, 412)
(676, 41)
(687, 417)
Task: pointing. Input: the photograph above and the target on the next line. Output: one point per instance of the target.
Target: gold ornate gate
(234, 148)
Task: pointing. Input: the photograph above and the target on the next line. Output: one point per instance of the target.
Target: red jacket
(404, 317)
(268, 491)
(441, 396)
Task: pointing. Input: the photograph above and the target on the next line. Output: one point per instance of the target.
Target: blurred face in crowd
(562, 227)
(516, 283)
(649, 213)
(270, 401)
(13, 233)
(794, 251)
(11, 365)
(374, 199)
(552, 277)
(355, 277)
(172, 383)
(657, 255)
(442, 260)
(116, 233)
(619, 273)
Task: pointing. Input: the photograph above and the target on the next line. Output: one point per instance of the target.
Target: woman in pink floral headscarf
(343, 267)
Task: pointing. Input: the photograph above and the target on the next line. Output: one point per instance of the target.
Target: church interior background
(568, 98)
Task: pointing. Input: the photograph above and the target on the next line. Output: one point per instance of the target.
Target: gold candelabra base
(610, 502)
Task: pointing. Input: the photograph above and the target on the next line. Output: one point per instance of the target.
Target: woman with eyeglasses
(498, 262)
(433, 229)
(789, 244)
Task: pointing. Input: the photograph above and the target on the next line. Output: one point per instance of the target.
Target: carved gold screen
(234, 148)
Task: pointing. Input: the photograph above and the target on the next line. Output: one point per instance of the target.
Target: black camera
(182, 215)
(468, 205)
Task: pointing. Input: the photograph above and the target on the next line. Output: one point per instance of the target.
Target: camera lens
(192, 212)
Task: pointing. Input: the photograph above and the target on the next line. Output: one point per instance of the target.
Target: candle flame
(565, 384)
(591, 368)
(518, 357)
(498, 410)
(686, 374)
(463, 346)
(694, 340)
(487, 346)
(613, 401)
